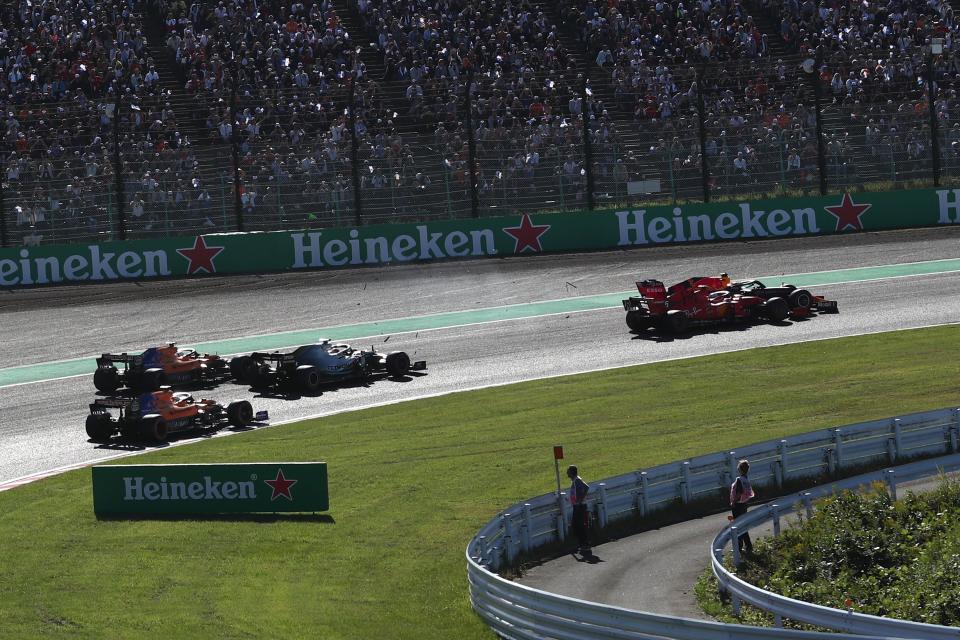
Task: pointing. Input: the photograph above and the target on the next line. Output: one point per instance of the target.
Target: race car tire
(252, 368)
(776, 309)
(637, 321)
(151, 380)
(677, 321)
(99, 428)
(263, 377)
(800, 299)
(106, 379)
(397, 363)
(240, 413)
(238, 368)
(308, 379)
(154, 429)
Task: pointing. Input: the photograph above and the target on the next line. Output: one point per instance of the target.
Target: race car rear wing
(109, 359)
(126, 405)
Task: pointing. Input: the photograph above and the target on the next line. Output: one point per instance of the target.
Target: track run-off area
(477, 323)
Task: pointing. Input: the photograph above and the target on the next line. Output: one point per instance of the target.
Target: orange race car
(153, 416)
(156, 367)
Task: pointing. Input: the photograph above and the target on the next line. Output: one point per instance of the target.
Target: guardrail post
(602, 505)
(954, 430)
(506, 523)
(484, 550)
(735, 605)
(644, 487)
(808, 503)
(831, 460)
(838, 447)
(525, 528)
(780, 471)
(735, 544)
(775, 515)
(897, 439)
(562, 518)
(685, 482)
(778, 621)
(732, 466)
(891, 479)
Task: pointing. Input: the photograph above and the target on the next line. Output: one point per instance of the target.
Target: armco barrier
(516, 611)
(473, 238)
(841, 620)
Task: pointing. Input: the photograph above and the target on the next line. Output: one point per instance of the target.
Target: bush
(896, 559)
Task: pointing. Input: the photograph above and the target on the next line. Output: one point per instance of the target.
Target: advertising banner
(186, 489)
(520, 234)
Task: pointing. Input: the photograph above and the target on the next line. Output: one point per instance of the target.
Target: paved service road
(653, 571)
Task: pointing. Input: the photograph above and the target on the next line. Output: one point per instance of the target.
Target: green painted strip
(52, 370)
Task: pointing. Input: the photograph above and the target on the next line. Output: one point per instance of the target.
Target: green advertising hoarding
(189, 489)
(520, 234)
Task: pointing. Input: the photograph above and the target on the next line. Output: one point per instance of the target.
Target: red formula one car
(716, 299)
(156, 367)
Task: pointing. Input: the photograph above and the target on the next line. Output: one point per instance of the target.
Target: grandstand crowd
(267, 84)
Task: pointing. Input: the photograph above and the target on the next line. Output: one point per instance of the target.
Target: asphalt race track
(41, 424)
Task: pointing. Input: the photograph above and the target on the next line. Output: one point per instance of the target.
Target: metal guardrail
(515, 611)
(841, 620)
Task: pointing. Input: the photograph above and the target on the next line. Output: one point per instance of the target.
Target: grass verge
(411, 483)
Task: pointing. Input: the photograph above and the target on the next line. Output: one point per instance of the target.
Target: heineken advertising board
(521, 234)
(173, 489)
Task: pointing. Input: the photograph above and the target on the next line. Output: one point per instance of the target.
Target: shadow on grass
(319, 518)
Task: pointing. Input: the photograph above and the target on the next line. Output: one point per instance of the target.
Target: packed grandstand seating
(269, 83)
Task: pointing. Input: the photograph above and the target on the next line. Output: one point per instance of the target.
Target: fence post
(821, 147)
(3, 211)
(814, 74)
(118, 166)
(235, 146)
(934, 124)
(354, 151)
(775, 511)
(585, 93)
(471, 147)
(701, 116)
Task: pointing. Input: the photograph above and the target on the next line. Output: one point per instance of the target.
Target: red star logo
(848, 214)
(527, 235)
(281, 486)
(200, 256)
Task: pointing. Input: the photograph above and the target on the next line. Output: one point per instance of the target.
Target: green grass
(409, 486)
